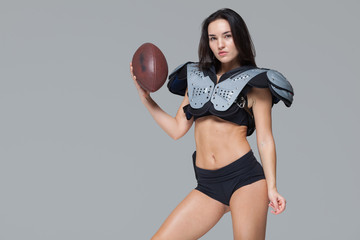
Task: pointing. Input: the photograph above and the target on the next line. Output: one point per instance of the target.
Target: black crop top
(239, 117)
(234, 114)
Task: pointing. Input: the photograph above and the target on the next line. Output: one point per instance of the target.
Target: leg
(192, 218)
(249, 206)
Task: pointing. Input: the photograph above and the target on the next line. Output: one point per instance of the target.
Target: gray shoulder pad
(227, 91)
(280, 87)
(200, 87)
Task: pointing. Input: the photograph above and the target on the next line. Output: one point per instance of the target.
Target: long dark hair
(241, 36)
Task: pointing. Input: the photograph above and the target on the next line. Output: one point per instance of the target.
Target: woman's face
(221, 42)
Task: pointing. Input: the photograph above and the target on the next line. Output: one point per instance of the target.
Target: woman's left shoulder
(270, 81)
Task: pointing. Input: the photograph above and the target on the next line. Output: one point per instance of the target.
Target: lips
(222, 53)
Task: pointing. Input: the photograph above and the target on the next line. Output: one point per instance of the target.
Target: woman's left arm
(260, 100)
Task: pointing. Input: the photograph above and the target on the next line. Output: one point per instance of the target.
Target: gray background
(81, 158)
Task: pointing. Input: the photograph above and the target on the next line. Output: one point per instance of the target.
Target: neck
(225, 67)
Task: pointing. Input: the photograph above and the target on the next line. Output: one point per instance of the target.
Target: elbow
(176, 136)
(266, 144)
(179, 131)
(265, 141)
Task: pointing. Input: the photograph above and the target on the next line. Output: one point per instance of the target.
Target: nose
(220, 43)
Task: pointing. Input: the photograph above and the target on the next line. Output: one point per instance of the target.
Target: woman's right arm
(175, 127)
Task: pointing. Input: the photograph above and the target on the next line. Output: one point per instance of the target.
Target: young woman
(226, 95)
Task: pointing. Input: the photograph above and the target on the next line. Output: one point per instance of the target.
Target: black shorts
(221, 183)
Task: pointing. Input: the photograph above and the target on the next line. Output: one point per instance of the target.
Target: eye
(212, 38)
(228, 36)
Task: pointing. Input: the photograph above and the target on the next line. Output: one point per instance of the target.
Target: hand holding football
(150, 67)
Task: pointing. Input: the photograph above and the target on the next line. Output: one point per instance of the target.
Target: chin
(226, 61)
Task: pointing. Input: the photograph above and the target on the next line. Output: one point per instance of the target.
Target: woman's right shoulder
(178, 79)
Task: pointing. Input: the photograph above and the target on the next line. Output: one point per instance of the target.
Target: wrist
(272, 187)
(145, 98)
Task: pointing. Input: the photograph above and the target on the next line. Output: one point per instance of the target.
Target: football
(150, 67)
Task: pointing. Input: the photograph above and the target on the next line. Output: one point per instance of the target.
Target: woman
(229, 177)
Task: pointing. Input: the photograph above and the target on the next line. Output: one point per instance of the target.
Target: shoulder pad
(177, 80)
(279, 86)
(200, 86)
(226, 92)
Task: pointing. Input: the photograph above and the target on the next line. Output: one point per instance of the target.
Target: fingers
(133, 76)
(278, 205)
(274, 205)
(141, 90)
(131, 71)
(275, 209)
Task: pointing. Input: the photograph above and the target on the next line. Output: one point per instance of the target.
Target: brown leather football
(150, 67)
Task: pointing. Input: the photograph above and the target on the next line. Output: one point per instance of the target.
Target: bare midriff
(219, 142)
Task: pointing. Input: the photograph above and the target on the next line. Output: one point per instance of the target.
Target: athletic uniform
(227, 99)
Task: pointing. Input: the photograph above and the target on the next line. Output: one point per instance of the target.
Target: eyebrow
(211, 35)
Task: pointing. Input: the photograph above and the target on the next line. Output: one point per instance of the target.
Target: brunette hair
(241, 36)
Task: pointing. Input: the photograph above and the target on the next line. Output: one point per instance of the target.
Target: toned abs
(219, 142)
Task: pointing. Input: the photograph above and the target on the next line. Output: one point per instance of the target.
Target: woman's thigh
(249, 207)
(192, 218)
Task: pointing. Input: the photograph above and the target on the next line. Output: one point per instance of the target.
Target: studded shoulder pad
(227, 91)
(200, 87)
